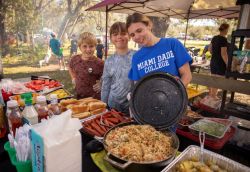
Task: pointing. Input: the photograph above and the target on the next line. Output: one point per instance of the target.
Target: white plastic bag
(62, 143)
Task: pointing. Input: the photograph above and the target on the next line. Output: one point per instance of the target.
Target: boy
(115, 82)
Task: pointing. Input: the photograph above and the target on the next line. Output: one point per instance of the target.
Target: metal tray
(194, 128)
(194, 151)
(58, 88)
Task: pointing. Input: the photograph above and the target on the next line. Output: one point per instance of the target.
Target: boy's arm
(106, 83)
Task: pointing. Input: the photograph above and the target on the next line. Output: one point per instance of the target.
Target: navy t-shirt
(99, 48)
(168, 55)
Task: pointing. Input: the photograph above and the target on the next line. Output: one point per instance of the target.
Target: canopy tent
(180, 9)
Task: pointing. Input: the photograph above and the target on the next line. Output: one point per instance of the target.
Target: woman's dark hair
(138, 18)
(223, 27)
(117, 27)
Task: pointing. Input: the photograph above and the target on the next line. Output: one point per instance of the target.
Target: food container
(60, 92)
(184, 123)
(193, 116)
(153, 103)
(213, 128)
(123, 163)
(97, 125)
(194, 152)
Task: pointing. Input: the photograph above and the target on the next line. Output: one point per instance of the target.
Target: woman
(86, 69)
(218, 49)
(115, 82)
(156, 54)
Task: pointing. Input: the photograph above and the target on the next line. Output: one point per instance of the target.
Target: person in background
(168, 52)
(85, 69)
(55, 46)
(99, 49)
(205, 50)
(73, 45)
(115, 82)
(218, 49)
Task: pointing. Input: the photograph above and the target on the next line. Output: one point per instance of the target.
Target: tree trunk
(73, 26)
(63, 26)
(160, 26)
(28, 37)
(3, 35)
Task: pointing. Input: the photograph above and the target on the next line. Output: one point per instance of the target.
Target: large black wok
(123, 163)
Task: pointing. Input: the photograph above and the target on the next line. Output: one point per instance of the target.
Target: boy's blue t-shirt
(168, 55)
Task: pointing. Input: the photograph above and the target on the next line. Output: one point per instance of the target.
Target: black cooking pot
(158, 99)
(123, 163)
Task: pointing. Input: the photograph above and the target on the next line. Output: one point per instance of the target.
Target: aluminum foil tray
(194, 152)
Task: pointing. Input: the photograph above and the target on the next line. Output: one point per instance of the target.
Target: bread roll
(88, 100)
(96, 105)
(98, 111)
(81, 115)
(68, 102)
(78, 108)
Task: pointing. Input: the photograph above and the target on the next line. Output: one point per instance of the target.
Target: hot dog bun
(98, 111)
(68, 102)
(96, 105)
(81, 115)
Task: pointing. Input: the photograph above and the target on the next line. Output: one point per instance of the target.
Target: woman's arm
(186, 75)
(224, 54)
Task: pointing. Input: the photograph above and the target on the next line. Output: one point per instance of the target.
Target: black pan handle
(122, 166)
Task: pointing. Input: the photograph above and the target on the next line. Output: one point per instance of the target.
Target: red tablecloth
(214, 144)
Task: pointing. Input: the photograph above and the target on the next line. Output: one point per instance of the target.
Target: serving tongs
(33, 77)
(202, 141)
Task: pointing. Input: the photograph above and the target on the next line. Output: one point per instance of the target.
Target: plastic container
(29, 113)
(212, 128)
(11, 151)
(14, 116)
(41, 108)
(22, 166)
(54, 107)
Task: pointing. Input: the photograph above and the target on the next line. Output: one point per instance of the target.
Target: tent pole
(187, 23)
(186, 33)
(106, 36)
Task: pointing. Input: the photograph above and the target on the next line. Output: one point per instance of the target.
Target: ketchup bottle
(14, 116)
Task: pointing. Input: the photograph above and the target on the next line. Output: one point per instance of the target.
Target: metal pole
(187, 23)
(106, 36)
(186, 32)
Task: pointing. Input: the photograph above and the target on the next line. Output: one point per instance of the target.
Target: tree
(160, 25)
(73, 10)
(3, 36)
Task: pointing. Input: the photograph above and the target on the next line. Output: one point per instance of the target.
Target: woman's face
(140, 33)
(87, 50)
(120, 40)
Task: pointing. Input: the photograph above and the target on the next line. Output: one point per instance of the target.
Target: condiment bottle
(42, 108)
(14, 116)
(29, 113)
(54, 107)
(3, 127)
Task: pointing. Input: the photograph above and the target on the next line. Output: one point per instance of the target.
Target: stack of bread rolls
(84, 107)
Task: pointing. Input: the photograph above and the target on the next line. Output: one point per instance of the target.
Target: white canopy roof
(182, 9)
